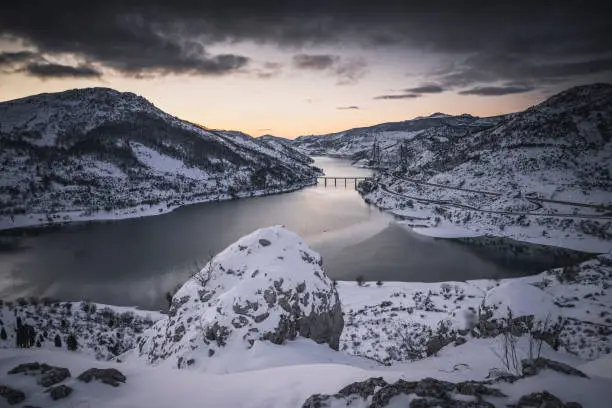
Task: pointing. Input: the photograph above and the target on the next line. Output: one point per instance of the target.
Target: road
(532, 199)
(468, 207)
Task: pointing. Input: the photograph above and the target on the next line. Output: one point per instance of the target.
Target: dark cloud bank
(499, 47)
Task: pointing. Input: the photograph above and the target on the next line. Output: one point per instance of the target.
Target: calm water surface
(134, 262)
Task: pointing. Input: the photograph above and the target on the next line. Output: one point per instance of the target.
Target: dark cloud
(399, 96)
(48, 70)
(314, 61)
(496, 90)
(13, 58)
(34, 64)
(425, 88)
(496, 67)
(552, 40)
(347, 71)
(347, 107)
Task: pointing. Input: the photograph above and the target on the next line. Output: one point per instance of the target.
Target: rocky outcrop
(268, 286)
(425, 393)
(47, 375)
(108, 376)
(59, 392)
(533, 367)
(543, 399)
(11, 395)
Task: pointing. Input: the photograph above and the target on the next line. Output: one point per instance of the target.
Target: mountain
(357, 143)
(99, 153)
(494, 180)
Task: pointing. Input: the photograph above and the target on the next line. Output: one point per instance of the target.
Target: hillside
(543, 175)
(357, 143)
(258, 327)
(98, 153)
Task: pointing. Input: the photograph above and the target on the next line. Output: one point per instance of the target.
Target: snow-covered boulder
(267, 286)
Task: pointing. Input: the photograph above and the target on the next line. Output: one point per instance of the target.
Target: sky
(291, 68)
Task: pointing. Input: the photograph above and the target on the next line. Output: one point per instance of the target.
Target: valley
(470, 268)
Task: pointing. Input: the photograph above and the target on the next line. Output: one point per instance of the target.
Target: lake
(136, 261)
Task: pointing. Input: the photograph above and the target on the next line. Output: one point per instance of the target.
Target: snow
(166, 164)
(241, 297)
(380, 321)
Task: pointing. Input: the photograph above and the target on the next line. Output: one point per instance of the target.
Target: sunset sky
(290, 68)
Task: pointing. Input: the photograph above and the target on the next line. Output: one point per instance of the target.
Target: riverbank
(21, 221)
(455, 213)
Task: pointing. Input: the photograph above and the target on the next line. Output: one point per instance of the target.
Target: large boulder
(267, 286)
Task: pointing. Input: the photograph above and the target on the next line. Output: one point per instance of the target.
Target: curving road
(469, 207)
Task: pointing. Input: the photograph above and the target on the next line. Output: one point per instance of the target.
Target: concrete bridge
(346, 180)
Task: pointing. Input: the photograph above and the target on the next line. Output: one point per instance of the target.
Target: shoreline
(33, 221)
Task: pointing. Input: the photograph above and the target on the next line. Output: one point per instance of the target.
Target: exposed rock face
(268, 286)
(108, 376)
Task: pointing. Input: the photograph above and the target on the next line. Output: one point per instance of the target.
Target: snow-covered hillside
(98, 153)
(357, 143)
(543, 175)
(449, 344)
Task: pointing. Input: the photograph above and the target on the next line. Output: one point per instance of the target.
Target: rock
(12, 395)
(460, 341)
(26, 368)
(289, 296)
(49, 375)
(477, 389)
(436, 343)
(363, 388)
(317, 401)
(53, 376)
(542, 399)
(59, 391)
(108, 376)
(533, 367)
(430, 393)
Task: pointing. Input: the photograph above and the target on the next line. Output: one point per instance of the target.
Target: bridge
(335, 180)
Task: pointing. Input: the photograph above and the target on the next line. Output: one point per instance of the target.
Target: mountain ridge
(96, 152)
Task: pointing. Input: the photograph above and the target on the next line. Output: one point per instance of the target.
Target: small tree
(360, 280)
(3, 334)
(379, 283)
(58, 341)
(71, 343)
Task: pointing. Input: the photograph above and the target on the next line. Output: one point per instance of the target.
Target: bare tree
(203, 275)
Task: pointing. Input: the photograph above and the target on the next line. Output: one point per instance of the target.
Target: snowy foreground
(260, 324)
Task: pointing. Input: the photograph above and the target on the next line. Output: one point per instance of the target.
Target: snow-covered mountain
(99, 153)
(357, 143)
(244, 332)
(542, 175)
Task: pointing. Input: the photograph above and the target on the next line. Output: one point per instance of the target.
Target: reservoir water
(136, 261)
